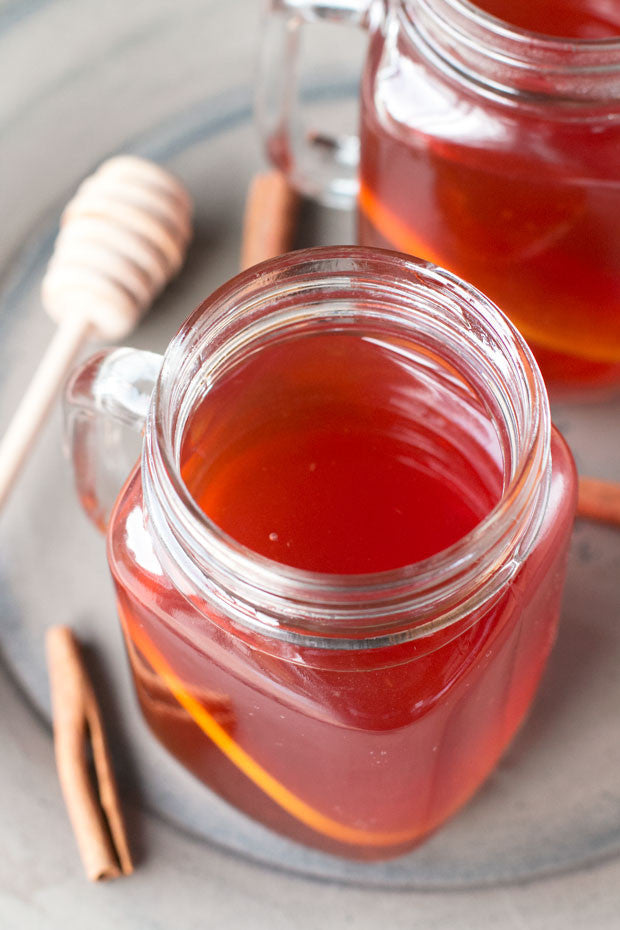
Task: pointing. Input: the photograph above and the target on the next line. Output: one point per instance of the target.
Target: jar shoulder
(562, 500)
(563, 473)
(408, 95)
(131, 555)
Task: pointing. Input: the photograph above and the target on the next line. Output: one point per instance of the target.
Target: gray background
(538, 847)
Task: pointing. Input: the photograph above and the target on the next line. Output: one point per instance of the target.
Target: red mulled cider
(324, 452)
(575, 19)
(492, 151)
(339, 564)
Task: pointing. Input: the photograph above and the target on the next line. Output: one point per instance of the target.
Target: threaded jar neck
(472, 347)
(496, 58)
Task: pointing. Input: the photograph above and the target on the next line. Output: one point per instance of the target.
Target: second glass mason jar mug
(353, 713)
(487, 149)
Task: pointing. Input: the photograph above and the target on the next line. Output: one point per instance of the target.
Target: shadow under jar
(339, 562)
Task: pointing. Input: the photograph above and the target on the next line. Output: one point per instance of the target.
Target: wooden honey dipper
(122, 237)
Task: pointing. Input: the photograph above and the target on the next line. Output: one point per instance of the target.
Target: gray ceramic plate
(554, 802)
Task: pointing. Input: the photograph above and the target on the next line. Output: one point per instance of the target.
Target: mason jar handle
(106, 402)
(318, 164)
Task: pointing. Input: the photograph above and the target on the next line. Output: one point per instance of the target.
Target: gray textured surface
(82, 80)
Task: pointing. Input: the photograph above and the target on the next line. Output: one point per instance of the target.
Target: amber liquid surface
(325, 453)
(338, 453)
(577, 19)
(522, 201)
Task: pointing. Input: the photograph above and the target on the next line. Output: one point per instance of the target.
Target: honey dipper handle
(40, 395)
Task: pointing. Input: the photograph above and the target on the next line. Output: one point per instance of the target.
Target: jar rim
(507, 61)
(504, 28)
(292, 603)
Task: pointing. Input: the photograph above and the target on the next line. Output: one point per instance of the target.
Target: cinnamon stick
(599, 500)
(95, 813)
(270, 217)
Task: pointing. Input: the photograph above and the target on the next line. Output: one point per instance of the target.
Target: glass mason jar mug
(485, 148)
(350, 672)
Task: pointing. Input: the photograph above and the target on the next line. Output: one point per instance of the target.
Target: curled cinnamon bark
(95, 813)
(599, 500)
(270, 216)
